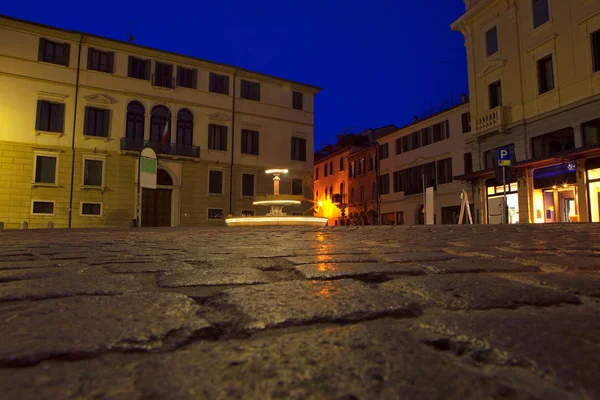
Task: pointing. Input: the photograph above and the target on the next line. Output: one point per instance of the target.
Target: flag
(165, 135)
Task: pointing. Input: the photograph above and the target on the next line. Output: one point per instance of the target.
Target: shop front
(555, 194)
(592, 167)
(495, 200)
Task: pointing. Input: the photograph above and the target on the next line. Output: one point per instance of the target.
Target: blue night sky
(379, 62)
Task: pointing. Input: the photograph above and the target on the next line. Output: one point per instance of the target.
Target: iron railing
(173, 149)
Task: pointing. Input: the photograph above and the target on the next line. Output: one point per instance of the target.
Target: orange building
(362, 186)
(331, 179)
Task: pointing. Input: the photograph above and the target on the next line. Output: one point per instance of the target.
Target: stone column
(276, 180)
(525, 197)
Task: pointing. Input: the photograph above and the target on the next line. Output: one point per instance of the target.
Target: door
(156, 207)
(495, 210)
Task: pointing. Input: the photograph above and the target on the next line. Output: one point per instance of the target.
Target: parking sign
(504, 157)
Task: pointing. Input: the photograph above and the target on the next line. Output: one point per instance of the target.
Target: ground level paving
(444, 312)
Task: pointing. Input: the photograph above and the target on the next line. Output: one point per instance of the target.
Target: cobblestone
(447, 312)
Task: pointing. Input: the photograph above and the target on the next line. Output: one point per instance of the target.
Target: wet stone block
(212, 276)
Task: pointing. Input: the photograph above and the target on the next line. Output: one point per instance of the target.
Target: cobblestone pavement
(452, 312)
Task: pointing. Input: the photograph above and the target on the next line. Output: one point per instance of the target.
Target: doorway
(157, 203)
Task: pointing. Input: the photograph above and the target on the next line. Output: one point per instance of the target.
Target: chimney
(415, 119)
(464, 98)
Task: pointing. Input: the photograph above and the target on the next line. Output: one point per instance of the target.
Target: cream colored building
(75, 110)
(427, 153)
(534, 83)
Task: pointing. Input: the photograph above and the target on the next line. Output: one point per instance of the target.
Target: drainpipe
(232, 146)
(377, 174)
(74, 130)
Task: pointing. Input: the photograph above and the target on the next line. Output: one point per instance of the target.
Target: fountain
(276, 216)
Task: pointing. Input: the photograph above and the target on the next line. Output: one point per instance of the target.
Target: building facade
(76, 110)
(363, 193)
(534, 83)
(331, 186)
(427, 153)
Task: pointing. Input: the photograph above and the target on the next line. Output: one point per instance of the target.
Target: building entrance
(157, 203)
(555, 196)
(495, 200)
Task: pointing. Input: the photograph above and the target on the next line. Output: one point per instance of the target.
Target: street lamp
(337, 199)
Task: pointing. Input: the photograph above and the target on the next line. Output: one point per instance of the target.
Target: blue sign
(504, 157)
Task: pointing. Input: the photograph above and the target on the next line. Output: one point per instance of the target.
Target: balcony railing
(163, 81)
(172, 149)
(495, 119)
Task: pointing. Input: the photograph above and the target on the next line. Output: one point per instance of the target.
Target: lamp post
(338, 201)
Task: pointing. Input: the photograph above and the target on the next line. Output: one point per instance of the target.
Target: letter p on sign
(504, 157)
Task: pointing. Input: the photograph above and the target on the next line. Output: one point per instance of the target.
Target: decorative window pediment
(219, 117)
(491, 66)
(100, 99)
(55, 97)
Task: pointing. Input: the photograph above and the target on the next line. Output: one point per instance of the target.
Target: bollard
(1, 226)
(50, 224)
(25, 225)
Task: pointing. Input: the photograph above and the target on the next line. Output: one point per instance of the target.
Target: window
(218, 83)
(92, 172)
(297, 100)
(135, 121)
(247, 185)
(185, 128)
(444, 171)
(384, 184)
(468, 160)
(247, 213)
(50, 116)
(342, 166)
(249, 142)
(491, 41)
(42, 207)
(362, 165)
(159, 121)
(215, 213)
(351, 174)
(163, 75)
(491, 156)
(250, 90)
(330, 167)
(100, 60)
(53, 52)
(297, 186)
(97, 122)
(187, 77)
(371, 163)
(383, 151)
(398, 146)
(359, 168)
(426, 136)
(596, 50)
(545, 74)
(351, 195)
(138, 68)
(591, 132)
(215, 182)
(552, 143)
(541, 12)
(298, 149)
(388, 219)
(362, 194)
(317, 174)
(325, 169)
(466, 122)
(45, 169)
(91, 209)
(445, 127)
(397, 176)
(495, 94)
(374, 191)
(400, 218)
(217, 137)
(342, 192)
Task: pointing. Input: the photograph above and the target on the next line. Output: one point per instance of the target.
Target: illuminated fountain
(276, 216)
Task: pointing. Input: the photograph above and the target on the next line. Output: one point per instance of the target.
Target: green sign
(148, 165)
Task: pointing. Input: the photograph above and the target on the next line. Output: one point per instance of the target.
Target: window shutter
(244, 141)
(89, 59)
(41, 49)
(61, 117)
(130, 66)
(255, 143)
(38, 117)
(194, 79)
(210, 136)
(224, 137)
(66, 53)
(106, 123)
(302, 150)
(257, 89)
(148, 66)
(179, 76)
(111, 62)
(226, 85)
(86, 121)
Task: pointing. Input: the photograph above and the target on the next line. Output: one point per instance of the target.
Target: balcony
(494, 120)
(164, 81)
(171, 149)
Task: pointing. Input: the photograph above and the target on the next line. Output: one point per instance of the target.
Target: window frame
(181, 80)
(383, 151)
(33, 201)
(381, 185)
(487, 41)
(465, 119)
(299, 157)
(301, 187)
(222, 193)
(110, 56)
(64, 57)
(342, 164)
(55, 155)
(595, 43)
(250, 90)
(444, 166)
(533, 14)
(39, 113)
(496, 84)
(213, 78)
(87, 157)
(298, 100)
(106, 120)
(81, 214)
(254, 184)
(147, 67)
(223, 130)
(253, 143)
(208, 209)
(542, 65)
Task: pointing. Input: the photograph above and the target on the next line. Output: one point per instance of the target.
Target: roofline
(455, 26)
(314, 89)
(335, 153)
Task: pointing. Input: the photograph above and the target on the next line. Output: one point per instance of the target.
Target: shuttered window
(298, 149)
(45, 169)
(218, 83)
(215, 182)
(297, 100)
(250, 90)
(97, 122)
(50, 116)
(138, 68)
(249, 142)
(187, 77)
(217, 137)
(53, 52)
(102, 61)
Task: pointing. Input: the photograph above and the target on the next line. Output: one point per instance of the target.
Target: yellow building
(427, 153)
(76, 109)
(534, 83)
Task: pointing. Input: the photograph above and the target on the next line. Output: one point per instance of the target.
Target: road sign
(504, 157)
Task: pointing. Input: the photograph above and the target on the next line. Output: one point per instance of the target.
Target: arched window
(158, 119)
(135, 121)
(351, 195)
(362, 194)
(341, 163)
(163, 178)
(342, 191)
(374, 191)
(185, 128)
(331, 168)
